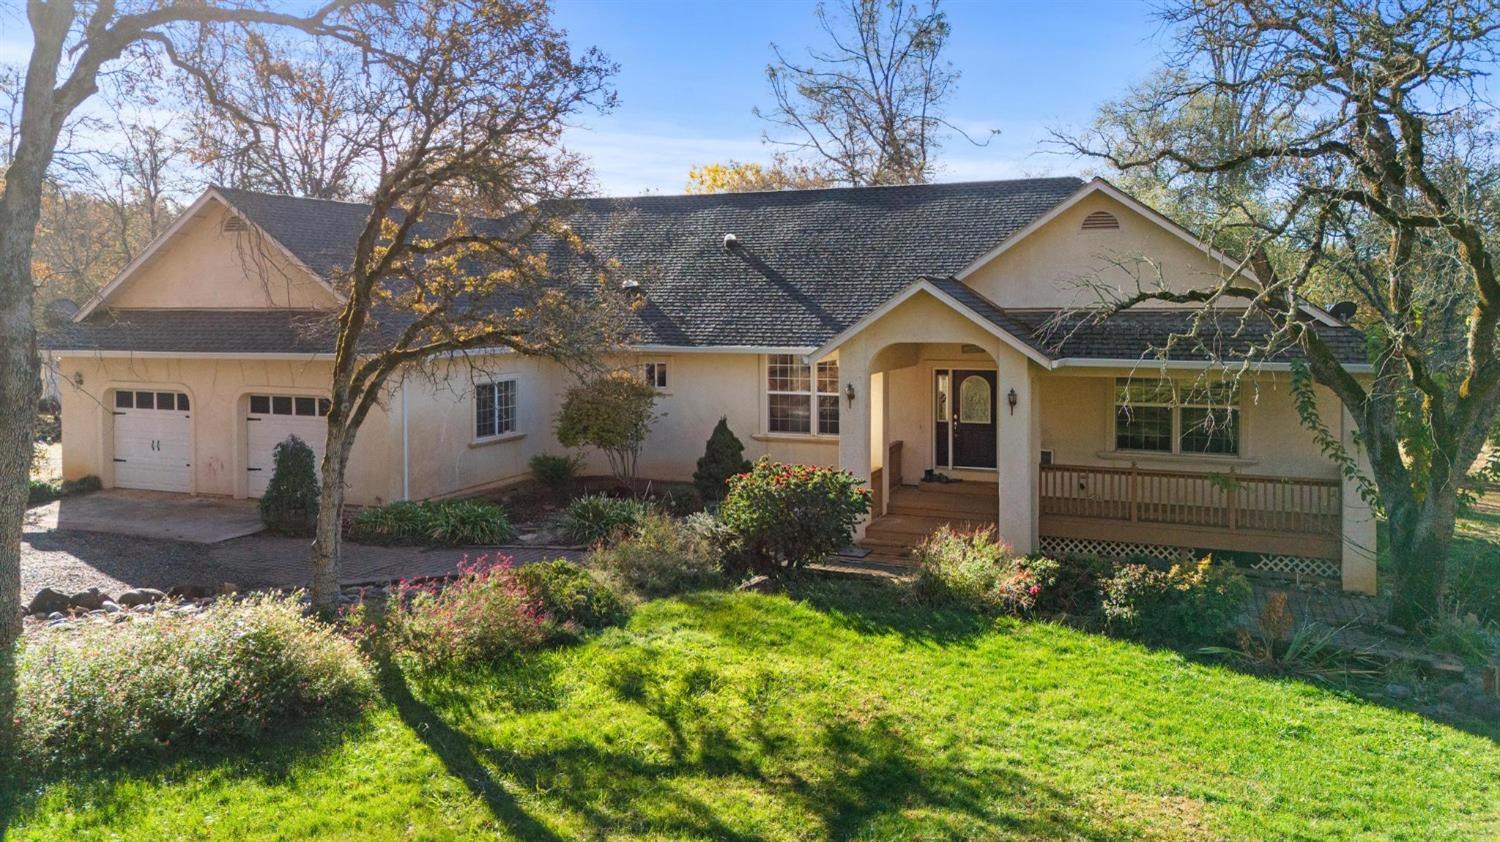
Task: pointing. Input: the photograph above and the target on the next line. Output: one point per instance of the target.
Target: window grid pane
(125, 400)
(828, 378)
(505, 406)
(484, 410)
(1143, 392)
(260, 404)
(828, 415)
(785, 373)
(790, 414)
(1210, 431)
(1144, 428)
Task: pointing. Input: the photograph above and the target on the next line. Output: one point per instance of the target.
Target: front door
(974, 419)
(965, 424)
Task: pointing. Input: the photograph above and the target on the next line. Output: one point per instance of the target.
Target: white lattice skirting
(1118, 550)
(1121, 550)
(1296, 565)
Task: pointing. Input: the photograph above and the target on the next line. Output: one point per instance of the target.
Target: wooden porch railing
(1200, 503)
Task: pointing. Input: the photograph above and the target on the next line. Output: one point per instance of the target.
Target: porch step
(917, 527)
(929, 500)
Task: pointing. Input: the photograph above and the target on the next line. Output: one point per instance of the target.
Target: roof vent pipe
(730, 241)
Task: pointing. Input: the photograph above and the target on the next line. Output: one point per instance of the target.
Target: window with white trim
(798, 402)
(1154, 416)
(494, 408)
(656, 375)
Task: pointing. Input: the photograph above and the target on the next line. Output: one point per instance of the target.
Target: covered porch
(954, 421)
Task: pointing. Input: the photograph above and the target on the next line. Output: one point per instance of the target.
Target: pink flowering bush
(975, 569)
(100, 690)
(483, 615)
(785, 516)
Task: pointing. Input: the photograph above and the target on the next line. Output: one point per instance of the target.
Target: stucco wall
(1044, 268)
(204, 267)
(1077, 425)
(218, 391)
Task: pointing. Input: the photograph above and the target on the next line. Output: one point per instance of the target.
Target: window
(285, 405)
(151, 400)
(1151, 416)
(656, 375)
(797, 402)
(494, 409)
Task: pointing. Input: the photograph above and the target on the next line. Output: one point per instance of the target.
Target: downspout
(405, 447)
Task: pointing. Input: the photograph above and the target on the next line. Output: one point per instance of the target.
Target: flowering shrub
(100, 691)
(1187, 603)
(483, 615)
(975, 569)
(571, 599)
(786, 516)
(660, 557)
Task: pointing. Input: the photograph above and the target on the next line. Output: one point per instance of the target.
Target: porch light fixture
(78, 379)
(849, 393)
(1011, 399)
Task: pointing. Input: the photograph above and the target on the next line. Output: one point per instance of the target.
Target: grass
(843, 715)
(1474, 571)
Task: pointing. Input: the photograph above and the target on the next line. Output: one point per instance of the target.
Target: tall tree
(868, 107)
(297, 120)
(74, 46)
(746, 177)
(1363, 140)
(472, 188)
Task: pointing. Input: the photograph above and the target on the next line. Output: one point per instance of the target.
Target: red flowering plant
(484, 614)
(786, 516)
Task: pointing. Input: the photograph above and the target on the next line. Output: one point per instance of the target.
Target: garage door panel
(152, 446)
(272, 419)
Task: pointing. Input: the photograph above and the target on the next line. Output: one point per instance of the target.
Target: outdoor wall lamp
(1011, 399)
(849, 393)
(78, 379)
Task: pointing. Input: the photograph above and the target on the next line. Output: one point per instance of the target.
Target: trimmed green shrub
(570, 598)
(83, 485)
(480, 617)
(451, 522)
(612, 413)
(595, 517)
(41, 491)
(786, 516)
(660, 557)
(101, 691)
(557, 474)
(723, 457)
(290, 504)
(1185, 604)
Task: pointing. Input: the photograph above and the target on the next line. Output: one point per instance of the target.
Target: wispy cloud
(654, 161)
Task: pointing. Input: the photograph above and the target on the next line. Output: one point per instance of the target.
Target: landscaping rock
(110, 607)
(48, 601)
(759, 584)
(141, 596)
(189, 591)
(55, 616)
(89, 600)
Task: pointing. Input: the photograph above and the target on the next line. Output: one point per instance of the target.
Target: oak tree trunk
(1420, 540)
(328, 541)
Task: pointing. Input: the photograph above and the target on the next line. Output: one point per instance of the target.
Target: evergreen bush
(723, 457)
(290, 504)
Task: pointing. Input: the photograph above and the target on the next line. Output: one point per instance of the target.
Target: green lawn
(843, 715)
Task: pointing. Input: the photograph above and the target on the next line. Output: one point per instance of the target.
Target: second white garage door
(271, 420)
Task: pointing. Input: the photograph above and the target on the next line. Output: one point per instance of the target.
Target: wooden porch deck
(1223, 512)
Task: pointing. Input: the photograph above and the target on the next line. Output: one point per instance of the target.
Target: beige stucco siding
(204, 267)
(218, 390)
(1045, 268)
(1078, 427)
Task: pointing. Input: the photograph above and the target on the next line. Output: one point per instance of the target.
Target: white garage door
(271, 420)
(153, 441)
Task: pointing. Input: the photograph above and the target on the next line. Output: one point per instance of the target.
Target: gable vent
(1100, 221)
(235, 224)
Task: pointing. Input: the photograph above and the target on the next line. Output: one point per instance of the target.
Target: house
(891, 331)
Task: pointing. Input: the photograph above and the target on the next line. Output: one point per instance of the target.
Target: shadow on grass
(875, 606)
(270, 758)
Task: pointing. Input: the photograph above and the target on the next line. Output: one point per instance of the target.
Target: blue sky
(690, 73)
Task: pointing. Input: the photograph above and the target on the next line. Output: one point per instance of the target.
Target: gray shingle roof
(809, 264)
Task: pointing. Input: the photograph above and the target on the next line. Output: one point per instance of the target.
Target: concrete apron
(152, 514)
